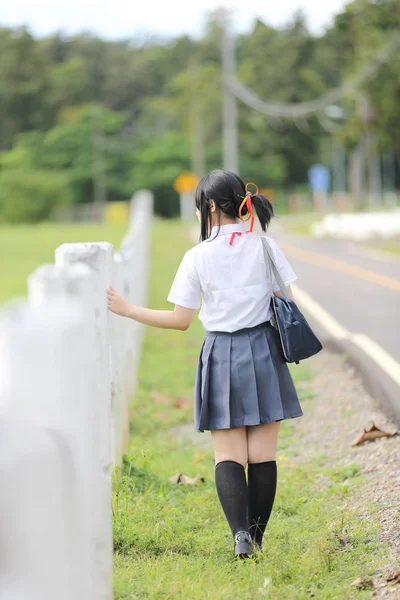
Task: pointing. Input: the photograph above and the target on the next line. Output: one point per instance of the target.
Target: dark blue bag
(297, 338)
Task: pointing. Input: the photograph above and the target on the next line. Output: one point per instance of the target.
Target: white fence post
(37, 516)
(77, 282)
(98, 257)
(54, 281)
(135, 250)
(39, 349)
(117, 358)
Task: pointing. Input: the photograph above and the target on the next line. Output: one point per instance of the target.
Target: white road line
(382, 358)
(330, 324)
(379, 355)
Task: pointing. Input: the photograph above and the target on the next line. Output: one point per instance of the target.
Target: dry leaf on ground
(185, 479)
(371, 434)
(363, 583)
(343, 539)
(191, 480)
(182, 402)
(163, 416)
(161, 398)
(394, 577)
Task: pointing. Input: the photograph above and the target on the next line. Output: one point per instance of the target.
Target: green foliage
(130, 112)
(30, 196)
(157, 166)
(23, 85)
(68, 84)
(25, 152)
(82, 135)
(269, 172)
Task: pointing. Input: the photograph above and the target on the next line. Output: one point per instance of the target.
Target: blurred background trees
(83, 119)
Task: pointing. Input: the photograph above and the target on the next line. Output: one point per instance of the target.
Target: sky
(118, 19)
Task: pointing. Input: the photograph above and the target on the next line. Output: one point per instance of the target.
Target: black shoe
(242, 544)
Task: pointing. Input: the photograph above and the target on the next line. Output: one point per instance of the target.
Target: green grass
(172, 541)
(299, 223)
(25, 247)
(391, 246)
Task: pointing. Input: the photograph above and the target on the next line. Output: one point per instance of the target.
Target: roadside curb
(379, 385)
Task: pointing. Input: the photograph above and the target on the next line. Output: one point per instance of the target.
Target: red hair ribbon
(247, 200)
(234, 234)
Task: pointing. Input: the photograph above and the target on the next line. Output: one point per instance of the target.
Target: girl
(243, 385)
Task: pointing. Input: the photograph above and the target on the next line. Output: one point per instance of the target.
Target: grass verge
(23, 248)
(300, 223)
(390, 246)
(172, 541)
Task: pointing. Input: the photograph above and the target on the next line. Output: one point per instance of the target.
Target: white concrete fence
(359, 226)
(67, 370)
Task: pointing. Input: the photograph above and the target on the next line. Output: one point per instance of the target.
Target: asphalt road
(359, 288)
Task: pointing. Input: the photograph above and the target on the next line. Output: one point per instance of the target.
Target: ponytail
(264, 210)
(233, 198)
(260, 203)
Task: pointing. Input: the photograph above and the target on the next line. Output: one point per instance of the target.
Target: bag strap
(271, 267)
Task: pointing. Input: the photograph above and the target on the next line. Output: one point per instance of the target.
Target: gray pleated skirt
(242, 379)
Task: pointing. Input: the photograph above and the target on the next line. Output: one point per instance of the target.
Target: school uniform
(242, 377)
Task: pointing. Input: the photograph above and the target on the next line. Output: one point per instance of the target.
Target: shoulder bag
(297, 338)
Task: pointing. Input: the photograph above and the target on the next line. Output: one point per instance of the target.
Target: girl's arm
(180, 318)
(290, 292)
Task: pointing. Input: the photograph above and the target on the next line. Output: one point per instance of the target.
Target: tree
(23, 85)
(158, 165)
(113, 116)
(68, 148)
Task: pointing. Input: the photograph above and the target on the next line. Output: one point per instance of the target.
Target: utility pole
(372, 157)
(374, 172)
(389, 179)
(338, 167)
(98, 162)
(197, 132)
(230, 130)
(358, 158)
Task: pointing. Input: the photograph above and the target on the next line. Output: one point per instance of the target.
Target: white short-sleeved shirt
(229, 281)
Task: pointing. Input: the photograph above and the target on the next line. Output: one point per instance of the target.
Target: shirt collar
(228, 229)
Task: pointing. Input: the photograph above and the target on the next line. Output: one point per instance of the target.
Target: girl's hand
(117, 304)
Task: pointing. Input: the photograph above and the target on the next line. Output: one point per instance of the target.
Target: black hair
(228, 191)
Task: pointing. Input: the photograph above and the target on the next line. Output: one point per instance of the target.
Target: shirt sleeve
(186, 289)
(283, 266)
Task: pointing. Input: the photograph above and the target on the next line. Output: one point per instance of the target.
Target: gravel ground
(340, 410)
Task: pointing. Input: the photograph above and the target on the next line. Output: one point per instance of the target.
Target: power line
(304, 109)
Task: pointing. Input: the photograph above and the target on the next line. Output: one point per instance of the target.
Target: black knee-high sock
(230, 481)
(262, 480)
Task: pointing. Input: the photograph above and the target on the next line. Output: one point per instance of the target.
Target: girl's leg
(230, 444)
(262, 476)
(230, 450)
